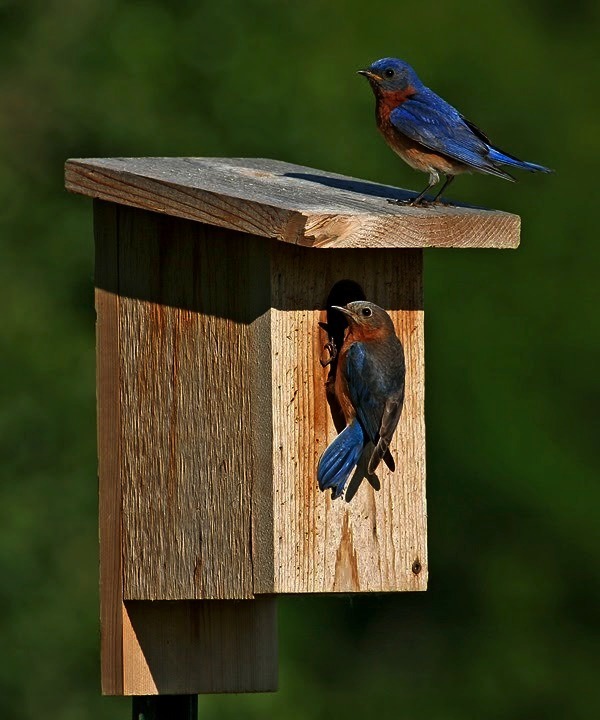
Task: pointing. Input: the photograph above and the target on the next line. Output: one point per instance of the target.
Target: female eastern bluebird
(428, 133)
(369, 386)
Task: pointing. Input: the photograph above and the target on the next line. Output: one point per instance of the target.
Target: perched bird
(428, 133)
(369, 386)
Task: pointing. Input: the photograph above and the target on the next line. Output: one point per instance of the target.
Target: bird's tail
(499, 156)
(340, 458)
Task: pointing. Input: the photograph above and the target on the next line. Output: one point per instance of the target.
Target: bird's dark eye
(367, 312)
(389, 72)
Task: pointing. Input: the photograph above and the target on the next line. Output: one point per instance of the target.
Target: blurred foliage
(509, 627)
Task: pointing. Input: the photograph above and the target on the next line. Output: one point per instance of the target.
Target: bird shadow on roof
(371, 189)
(360, 187)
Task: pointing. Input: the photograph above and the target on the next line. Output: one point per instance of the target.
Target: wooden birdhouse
(212, 285)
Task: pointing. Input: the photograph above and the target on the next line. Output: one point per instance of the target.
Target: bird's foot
(331, 349)
(420, 202)
(416, 202)
(444, 203)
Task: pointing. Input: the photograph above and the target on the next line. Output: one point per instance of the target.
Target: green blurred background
(509, 627)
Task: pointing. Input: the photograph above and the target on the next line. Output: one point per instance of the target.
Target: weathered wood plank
(287, 202)
(109, 444)
(376, 541)
(190, 647)
(186, 348)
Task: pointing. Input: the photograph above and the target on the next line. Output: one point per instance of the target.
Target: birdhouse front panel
(372, 539)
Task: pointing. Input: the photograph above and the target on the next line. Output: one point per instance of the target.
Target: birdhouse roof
(289, 203)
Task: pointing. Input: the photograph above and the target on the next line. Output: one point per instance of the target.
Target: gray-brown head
(366, 320)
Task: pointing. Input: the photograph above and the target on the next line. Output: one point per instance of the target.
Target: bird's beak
(344, 310)
(370, 75)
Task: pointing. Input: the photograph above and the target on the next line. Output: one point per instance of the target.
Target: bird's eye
(367, 312)
(389, 72)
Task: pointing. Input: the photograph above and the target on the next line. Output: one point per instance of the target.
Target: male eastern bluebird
(428, 133)
(369, 386)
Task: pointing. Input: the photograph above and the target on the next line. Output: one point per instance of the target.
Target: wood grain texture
(186, 318)
(200, 647)
(290, 203)
(109, 445)
(375, 541)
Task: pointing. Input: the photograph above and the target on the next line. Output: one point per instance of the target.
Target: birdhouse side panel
(186, 352)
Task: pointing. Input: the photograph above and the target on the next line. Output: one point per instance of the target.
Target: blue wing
(431, 121)
(363, 388)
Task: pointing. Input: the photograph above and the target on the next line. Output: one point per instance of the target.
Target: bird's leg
(419, 199)
(449, 179)
(434, 178)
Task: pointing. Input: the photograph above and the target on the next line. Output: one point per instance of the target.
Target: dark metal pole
(165, 707)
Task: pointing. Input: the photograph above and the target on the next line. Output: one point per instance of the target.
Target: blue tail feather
(340, 458)
(498, 156)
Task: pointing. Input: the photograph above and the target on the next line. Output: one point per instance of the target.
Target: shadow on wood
(360, 187)
(200, 646)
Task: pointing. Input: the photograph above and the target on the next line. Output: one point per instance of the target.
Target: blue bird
(369, 386)
(428, 133)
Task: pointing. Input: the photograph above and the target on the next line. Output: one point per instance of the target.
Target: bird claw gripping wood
(329, 347)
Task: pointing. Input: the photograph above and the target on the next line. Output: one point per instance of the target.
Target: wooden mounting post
(212, 276)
